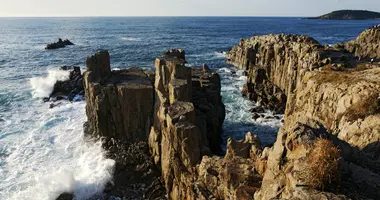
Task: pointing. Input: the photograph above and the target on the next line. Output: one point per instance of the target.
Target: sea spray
(52, 157)
(43, 86)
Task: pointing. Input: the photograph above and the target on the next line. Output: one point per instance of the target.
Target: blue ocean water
(42, 151)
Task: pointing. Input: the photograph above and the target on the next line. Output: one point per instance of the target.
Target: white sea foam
(50, 156)
(43, 86)
(220, 54)
(238, 116)
(130, 39)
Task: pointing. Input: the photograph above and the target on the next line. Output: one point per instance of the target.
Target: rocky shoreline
(163, 128)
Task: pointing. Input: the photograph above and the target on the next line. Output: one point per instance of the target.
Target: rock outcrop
(366, 45)
(68, 89)
(274, 62)
(188, 119)
(329, 95)
(167, 128)
(119, 103)
(120, 111)
(60, 44)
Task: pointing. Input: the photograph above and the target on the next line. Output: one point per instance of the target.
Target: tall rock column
(181, 134)
(119, 103)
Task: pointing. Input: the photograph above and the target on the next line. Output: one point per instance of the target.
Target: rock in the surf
(59, 44)
(70, 88)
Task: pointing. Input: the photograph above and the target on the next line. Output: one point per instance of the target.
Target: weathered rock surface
(119, 103)
(188, 118)
(327, 95)
(60, 44)
(177, 115)
(366, 45)
(120, 111)
(69, 88)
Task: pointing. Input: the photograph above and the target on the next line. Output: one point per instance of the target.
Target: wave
(52, 157)
(238, 115)
(130, 39)
(43, 86)
(221, 54)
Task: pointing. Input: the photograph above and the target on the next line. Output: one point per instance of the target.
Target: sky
(180, 7)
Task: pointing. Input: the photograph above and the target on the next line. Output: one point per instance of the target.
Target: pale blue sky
(180, 7)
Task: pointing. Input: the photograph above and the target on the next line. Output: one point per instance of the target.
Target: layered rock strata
(328, 95)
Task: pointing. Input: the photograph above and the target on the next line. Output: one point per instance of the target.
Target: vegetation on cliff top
(349, 15)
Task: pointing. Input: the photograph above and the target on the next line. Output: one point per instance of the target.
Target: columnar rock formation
(366, 45)
(328, 97)
(187, 121)
(120, 111)
(327, 149)
(119, 103)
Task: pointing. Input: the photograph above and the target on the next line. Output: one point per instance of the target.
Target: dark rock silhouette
(349, 15)
(60, 44)
(70, 88)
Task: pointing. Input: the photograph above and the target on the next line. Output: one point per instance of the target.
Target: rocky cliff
(332, 103)
(366, 45)
(163, 128)
(276, 63)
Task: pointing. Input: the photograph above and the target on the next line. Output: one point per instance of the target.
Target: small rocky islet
(163, 128)
(349, 15)
(59, 44)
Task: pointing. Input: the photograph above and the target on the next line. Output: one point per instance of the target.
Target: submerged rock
(60, 44)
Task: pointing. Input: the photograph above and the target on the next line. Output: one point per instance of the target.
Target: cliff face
(328, 97)
(187, 122)
(366, 45)
(112, 97)
(119, 108)
(275, 64)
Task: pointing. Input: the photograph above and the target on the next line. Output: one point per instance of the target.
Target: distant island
(349, 15)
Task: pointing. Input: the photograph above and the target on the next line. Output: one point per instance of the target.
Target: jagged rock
(120, 111)
(366, 45)
(134, 175)
(69, 88)
(244, 148)
(276, 63)
(60, 44)
(236, 175)
(340, 105)
(188, 117)
(119, 103)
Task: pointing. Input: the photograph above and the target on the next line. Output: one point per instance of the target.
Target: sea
(42, 150)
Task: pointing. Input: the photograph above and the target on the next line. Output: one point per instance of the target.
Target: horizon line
(90, 16)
